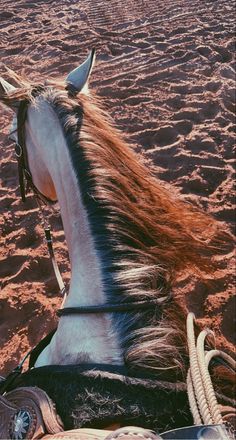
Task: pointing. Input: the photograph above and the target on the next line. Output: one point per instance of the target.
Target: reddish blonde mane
(164, 231)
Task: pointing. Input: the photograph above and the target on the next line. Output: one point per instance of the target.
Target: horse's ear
(6, 89)
(77, 80)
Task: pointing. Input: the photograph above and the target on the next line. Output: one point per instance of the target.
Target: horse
(129, 239)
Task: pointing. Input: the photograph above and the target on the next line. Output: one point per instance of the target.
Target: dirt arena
(166, 73)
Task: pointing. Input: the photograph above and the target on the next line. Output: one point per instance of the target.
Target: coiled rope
(201, 395)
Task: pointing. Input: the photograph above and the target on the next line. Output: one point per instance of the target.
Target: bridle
(25, 183)
(24, 173)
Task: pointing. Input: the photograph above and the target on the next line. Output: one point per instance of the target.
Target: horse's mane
(156, 236)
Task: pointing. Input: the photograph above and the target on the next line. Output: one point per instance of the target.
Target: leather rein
(26, 183)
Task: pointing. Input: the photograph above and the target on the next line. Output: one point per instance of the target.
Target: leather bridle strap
(20, 148)
(21, 152)
(57, 273)
(25, 175)
(109, 308)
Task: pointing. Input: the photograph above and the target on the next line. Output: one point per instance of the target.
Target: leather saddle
(28, 413)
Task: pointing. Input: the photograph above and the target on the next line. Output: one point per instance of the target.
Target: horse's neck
(88, 338)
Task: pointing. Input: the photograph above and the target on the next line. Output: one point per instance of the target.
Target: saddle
(28, 413)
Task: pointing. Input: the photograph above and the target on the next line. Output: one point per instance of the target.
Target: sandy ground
(166, 71)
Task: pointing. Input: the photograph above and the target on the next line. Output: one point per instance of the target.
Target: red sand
(166, 71)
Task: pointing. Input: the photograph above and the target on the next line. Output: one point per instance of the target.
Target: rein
(109, 308)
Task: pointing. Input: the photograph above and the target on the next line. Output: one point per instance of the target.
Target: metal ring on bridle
(18, 146)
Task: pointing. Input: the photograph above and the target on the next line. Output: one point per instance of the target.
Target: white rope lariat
(202, 399)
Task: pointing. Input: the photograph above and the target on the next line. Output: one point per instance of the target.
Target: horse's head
(34, 122)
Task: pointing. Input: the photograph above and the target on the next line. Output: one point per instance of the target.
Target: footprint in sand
(184, 127)
(166, 135)
(227, 72)
(12, 265)
(6, 15)
(19, 313)
(26, 239)
(225, 54)
(24, 269)
(190, 115)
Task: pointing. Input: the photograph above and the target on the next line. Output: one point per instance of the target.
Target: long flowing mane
(143, 234)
